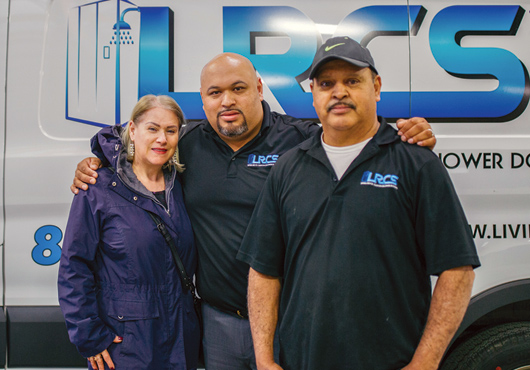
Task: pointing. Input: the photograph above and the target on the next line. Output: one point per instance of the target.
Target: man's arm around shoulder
(85, 174)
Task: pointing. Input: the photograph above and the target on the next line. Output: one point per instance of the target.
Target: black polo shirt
(356, 255)
(220, 191)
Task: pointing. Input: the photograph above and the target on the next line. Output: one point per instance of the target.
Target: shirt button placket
(232, 167)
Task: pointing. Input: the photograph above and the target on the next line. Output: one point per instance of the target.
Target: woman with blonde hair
(120, 291)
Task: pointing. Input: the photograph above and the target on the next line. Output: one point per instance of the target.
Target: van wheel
(503, 347)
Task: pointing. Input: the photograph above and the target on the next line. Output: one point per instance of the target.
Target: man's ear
(311, 85)
(377, 87)
(260, 89)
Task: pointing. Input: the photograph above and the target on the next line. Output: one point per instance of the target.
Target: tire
(503, 347)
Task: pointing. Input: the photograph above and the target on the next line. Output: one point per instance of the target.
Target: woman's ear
(132, 130)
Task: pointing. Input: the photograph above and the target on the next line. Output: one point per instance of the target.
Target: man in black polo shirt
(227, 159)
(349, 228)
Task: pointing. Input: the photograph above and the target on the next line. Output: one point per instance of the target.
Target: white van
(70, 67)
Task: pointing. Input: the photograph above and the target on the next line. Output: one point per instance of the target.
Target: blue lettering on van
(47, 251)
(379, 180)
(448, 28)
(283, 73)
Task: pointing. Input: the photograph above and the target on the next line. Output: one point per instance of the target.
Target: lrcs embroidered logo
(379, 180)
(262, 160)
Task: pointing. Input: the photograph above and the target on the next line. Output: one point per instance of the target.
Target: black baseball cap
(345, 48)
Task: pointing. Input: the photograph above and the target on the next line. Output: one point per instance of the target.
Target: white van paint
(49, 52)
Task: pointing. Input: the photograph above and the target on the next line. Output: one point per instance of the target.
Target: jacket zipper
(148, 197)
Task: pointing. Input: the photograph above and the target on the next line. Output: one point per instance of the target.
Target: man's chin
(231, 129)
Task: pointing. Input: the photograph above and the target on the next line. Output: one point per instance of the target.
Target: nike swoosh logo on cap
(328, 48)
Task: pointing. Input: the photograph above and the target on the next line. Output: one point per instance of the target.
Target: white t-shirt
(342, 156)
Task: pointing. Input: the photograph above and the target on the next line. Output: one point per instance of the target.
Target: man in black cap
(348, 231)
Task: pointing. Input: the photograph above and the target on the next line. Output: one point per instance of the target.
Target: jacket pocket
(137, 322)
(132, 310)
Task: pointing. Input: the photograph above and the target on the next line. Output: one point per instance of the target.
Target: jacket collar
(125, 183)
(127, 175)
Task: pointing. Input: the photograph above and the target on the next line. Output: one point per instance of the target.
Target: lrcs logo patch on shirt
(380, 181)
(262, 160)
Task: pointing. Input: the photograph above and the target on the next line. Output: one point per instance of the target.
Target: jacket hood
(106, 145)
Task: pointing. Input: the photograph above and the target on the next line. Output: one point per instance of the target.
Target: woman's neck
(150, 177)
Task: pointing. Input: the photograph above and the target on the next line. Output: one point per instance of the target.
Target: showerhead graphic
(124, 37)
(116, 53)
(102, 62)
(122, 30)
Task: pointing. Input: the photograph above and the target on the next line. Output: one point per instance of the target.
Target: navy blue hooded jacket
(117, 276)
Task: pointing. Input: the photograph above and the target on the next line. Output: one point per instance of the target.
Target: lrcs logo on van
(135, 56)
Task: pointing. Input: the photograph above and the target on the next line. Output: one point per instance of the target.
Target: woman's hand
(97, 360)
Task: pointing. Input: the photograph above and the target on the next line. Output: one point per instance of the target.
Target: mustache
(348, 104)
(229, 110)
